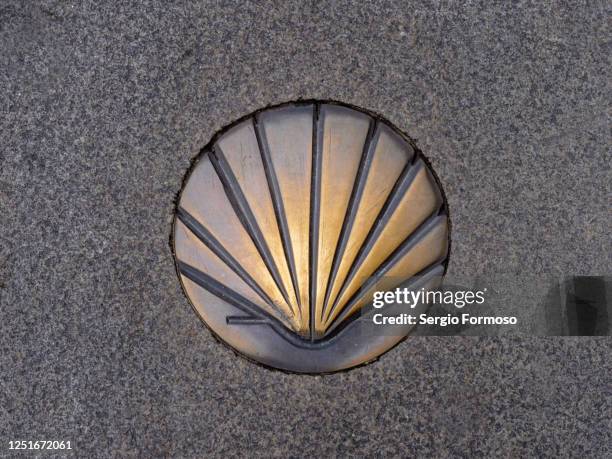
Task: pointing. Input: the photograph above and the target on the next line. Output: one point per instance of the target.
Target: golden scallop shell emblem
(289, 220)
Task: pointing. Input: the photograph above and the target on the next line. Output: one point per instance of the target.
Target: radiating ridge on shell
(290, 220)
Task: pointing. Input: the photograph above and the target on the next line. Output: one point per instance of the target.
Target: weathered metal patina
(291, 218)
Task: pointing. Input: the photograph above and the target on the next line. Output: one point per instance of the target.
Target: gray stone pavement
(104, 104)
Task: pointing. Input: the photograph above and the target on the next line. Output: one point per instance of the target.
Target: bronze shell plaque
(291, 218)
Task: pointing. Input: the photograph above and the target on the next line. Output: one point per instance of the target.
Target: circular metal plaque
(292, 218)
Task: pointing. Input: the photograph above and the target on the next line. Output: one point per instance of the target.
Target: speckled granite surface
(104, 105)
